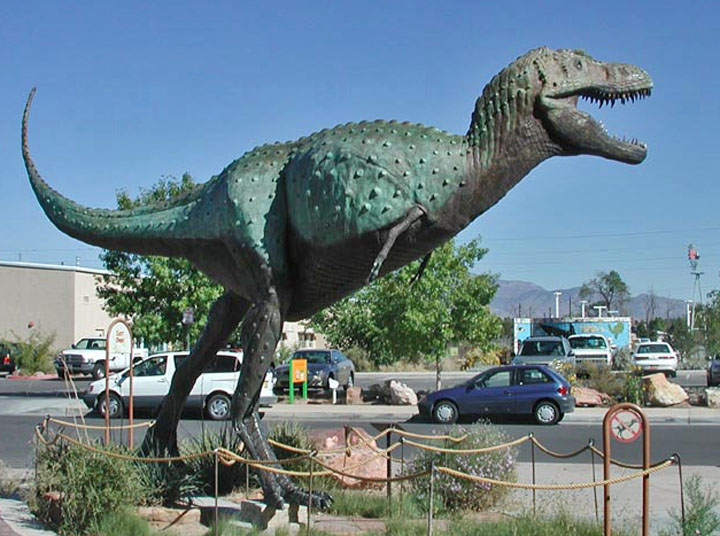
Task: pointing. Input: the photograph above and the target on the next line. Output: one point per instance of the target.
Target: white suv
(211, 393)
(656, 356)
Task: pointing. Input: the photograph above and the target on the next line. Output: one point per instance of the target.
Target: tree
(394, 318)
(154, 291)
(607, 289)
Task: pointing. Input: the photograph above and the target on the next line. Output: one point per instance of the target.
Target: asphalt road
(697, 445)
(419, 381)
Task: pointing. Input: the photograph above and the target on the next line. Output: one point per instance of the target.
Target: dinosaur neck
(505, 139)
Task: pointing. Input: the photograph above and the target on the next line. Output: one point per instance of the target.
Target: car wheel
(115, 403)
(218, 407)
(98, 371)
(445, 412)
(546, 412)
(351, 381)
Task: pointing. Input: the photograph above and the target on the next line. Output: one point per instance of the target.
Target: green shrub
(229, 476)
(167, 483)
(91, 485)
(123, 522)
(701, 511)
(456, 494)
(295, 435)
(36, 353)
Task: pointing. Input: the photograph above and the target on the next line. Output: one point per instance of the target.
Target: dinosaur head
(565, 76)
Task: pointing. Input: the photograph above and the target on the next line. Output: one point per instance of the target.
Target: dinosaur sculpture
(290, 228)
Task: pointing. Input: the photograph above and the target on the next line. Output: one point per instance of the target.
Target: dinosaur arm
(411, 217)
(421, 269)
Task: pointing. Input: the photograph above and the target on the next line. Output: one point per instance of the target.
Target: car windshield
(318, 358)
(588, 343)
(542, 348)
(653, 349)
(90, 344)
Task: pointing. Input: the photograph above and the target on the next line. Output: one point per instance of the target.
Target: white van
(151, 382)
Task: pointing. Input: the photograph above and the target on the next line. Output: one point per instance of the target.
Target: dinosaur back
(360, 178)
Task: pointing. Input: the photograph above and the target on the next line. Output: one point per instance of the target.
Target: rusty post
(131, 433)
(402, 473)
(431, 498)
(216, 491)
(607, 523)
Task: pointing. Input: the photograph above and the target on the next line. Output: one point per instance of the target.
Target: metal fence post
(310, 490)
(388, 440)
(682, 492)
(402, 473)
(591, 443)
(532, 456)
(430, 498)
(216, 491)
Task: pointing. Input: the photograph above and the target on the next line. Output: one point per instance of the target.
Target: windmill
(693, 259)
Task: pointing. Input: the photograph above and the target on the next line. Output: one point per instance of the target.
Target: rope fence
(227, 457)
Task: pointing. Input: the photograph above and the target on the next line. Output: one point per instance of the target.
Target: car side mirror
(571, 354)
(73, 346)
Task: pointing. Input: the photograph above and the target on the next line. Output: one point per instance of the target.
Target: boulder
(401, 394)
(53, 506)
(660, 392)
(378, 393)
(363, 460)
(354, 395)
(712, 394)
(585, 396)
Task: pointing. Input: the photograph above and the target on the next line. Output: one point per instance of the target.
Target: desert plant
(457, 494)
(90, 486)
(168, 482)
(295, 435)
(35, 353)
(230, 476)
(701, 511)
(123, 522)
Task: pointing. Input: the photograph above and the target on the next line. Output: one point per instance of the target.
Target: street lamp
(557, 303)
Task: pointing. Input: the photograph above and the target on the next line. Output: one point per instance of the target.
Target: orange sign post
(625, 423)
(298, 374)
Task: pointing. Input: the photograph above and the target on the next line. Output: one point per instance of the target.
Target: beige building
(62, 300)
(51, 299)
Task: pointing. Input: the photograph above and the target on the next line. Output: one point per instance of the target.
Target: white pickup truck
(591, 348)
(87, 356)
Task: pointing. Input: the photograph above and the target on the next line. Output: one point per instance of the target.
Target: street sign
(118, 344)
(188, 316)
(299, 370)
(626, 426)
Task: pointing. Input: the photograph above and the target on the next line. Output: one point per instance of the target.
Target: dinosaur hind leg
(261, 332)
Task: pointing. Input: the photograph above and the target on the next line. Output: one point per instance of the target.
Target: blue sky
(131, 91)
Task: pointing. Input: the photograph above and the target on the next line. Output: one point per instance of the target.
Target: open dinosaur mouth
(595, 96)
(581, 133)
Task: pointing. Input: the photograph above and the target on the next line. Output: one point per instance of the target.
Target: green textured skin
(358, 178)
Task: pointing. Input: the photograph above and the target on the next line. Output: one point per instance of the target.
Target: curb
(19, 521)
(38, 377)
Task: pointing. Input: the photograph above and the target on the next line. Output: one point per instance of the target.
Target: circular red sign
(626, 426)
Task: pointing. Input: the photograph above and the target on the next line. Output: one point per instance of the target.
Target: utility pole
(557, 303)
(583, 303)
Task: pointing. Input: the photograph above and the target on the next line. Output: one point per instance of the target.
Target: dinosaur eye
(578, 64)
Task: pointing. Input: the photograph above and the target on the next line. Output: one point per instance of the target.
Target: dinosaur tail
(146, 230)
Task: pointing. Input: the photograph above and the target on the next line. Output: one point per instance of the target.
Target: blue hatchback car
(532, 390)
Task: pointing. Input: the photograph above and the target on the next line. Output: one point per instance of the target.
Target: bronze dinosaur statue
(291, 228)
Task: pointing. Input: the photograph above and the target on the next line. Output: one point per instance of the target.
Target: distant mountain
(521, 298)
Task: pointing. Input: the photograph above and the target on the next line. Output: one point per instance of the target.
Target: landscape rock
(158, 514)
(363, 460)
(378, 393)
(661, 392)
(712, 394)
(586, 396)
(354, 395)
(54, 510)
(401, 394)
